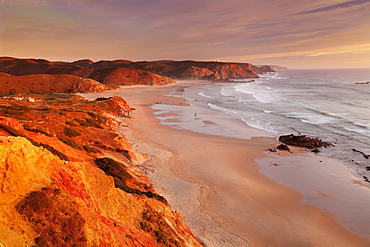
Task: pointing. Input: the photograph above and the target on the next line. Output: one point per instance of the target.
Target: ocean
(333, 105)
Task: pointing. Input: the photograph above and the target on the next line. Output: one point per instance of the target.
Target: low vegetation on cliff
(38, 75)
(69, 179)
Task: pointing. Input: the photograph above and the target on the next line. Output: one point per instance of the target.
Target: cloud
(179, 29)
(335, 6)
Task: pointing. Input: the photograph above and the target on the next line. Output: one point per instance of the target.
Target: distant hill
(48, 83)
(277, 67)
(122, 72)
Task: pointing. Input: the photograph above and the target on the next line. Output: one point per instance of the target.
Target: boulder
(303, 141)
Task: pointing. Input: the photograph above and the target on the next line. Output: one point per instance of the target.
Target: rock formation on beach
(303, 141)
(67, 178)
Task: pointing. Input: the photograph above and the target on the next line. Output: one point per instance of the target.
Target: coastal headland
(105, 172)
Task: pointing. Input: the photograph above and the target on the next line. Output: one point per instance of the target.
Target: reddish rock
(128, 76)
(231, 71)
(303, 141)
(48, 83)
(191, 73)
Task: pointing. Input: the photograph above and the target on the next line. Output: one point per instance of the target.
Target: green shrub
(146, 226)
(90, 149)
(118, 172)
(14, 110)
(71, 124)
(36, 130)
(147, 215)
(89, 122)
(121, 185)
(71, 143)
(15, 132)
(113, 168)
(71, 132)
(61, 155)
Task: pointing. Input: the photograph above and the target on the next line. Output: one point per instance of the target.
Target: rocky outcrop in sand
(303, 141)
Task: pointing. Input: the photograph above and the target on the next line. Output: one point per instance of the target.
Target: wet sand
(216, 185)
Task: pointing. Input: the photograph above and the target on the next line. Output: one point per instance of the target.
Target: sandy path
(214, 182)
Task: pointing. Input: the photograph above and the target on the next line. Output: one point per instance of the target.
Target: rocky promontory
(67, 178)
(125, 72)
(50, 83)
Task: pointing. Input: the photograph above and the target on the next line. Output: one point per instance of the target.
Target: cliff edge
(68, 179)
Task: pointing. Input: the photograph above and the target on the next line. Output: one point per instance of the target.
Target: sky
(296, 34)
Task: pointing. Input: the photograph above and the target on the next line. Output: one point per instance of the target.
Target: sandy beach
(215, 183)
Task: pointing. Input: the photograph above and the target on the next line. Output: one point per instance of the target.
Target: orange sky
(296, 34)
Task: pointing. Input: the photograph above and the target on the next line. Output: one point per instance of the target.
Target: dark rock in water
(315, 150)
(366, 156)
(366, 179)
(367, 168)
(303, 141)
(283, 147)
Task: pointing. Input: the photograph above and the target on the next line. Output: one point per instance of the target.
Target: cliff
(67, 178)
(277, 67)
(231, 71)
(125, 72)
(128, 76)
(48, 83)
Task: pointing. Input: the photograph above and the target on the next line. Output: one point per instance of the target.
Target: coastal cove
(225, 186)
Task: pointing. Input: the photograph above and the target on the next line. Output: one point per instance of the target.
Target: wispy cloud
(342, 5)
(180, 29)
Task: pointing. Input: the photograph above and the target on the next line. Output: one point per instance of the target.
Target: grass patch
(118, 172)
(89, 122)
(71, 124)
(121, 185)
(113, 168)
(15, 132)
(71, 143)
(36, 130)
(90, 149)
(71, 132)
(146, 226)
(14, 110)
(61, 155)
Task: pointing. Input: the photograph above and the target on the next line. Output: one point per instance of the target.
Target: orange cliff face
(124, 72)
(48, 83)
(128, 76)
(55, 193)
(50, 202)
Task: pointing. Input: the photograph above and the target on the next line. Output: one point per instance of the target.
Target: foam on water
(261, 93)
(319, 103)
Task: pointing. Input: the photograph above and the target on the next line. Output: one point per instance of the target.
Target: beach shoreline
(215, 183)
